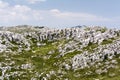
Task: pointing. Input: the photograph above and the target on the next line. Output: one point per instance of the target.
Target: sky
(60, 13)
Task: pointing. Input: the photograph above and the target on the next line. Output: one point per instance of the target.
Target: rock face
(40, 53)
(86, 58)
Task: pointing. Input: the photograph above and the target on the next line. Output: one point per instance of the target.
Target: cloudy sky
(60, 13)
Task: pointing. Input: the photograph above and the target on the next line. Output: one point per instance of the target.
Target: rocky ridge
(39, 53)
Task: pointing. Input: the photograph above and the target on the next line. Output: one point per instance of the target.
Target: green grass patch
(91, 47)
(108, 41)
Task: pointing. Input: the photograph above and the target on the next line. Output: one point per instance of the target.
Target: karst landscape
(76, 53)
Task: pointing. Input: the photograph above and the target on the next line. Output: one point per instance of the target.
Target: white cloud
(35, 1)
(18, 13)
(77, 15)
(3, 4)
(22, 14)
(21, 8)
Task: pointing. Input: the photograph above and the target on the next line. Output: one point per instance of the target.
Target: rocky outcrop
(87, 59)
(39, 53)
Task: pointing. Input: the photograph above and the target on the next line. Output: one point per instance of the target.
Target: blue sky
(60, 13)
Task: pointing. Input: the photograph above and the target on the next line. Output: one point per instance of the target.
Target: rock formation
(40, 53)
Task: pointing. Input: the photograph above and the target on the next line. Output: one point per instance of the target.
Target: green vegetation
(102, 30)
(91, 47)
(108, 41)
(41, 63)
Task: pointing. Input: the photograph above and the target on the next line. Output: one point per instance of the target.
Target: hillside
(77, 53)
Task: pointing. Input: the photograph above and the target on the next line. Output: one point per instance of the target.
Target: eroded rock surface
(40, 53)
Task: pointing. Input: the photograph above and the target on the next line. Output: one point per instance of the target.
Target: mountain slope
(78, 53)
